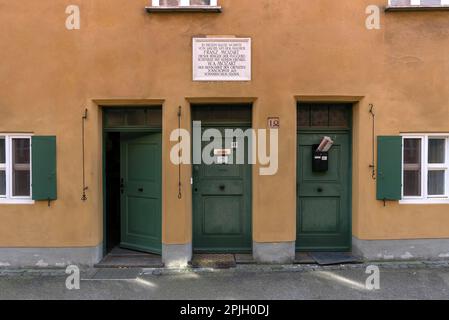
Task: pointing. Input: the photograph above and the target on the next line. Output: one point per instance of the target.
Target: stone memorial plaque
(222, 59)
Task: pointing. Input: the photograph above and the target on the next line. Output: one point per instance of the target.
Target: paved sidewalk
(397, 280)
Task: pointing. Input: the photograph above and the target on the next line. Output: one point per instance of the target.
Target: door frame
(105, 131)
(350, 133)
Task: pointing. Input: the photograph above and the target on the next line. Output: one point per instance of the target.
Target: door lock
(222, 187)
(140, 189)
(320, 190)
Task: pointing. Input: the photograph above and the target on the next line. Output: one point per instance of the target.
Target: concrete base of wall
(50, 257)
(428, 249)
(274, 253)
(176, 256)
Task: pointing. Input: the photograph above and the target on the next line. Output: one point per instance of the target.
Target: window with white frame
(425, 176)
(418, 3)
(15, 168)
(184, 3)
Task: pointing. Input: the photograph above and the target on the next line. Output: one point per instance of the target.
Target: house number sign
(274, 123)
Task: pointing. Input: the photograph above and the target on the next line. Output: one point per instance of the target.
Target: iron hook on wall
(179, 155)
(85, 188)
(373, 163)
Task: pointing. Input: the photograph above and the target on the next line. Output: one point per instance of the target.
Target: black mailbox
(320, 160)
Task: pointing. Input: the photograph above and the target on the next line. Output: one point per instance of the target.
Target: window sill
(416, 8)
(424, 202)
(214, 9)
(17, 201)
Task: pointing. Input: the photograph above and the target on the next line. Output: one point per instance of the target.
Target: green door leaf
(44, 168)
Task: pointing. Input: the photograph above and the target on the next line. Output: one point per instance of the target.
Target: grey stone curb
(254, 268)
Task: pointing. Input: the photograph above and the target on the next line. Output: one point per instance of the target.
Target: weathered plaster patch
(42, 264)
(444, 255)
(5, 264)
(406, 256)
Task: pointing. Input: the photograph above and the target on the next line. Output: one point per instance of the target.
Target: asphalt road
(396, 282)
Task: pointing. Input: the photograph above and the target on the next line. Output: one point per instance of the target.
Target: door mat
(332, 258)
(214, 261)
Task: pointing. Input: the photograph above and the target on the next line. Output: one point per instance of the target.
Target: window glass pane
(303, 116)
(412, 183)
(222, 113)
(200, 2)
(412, 167)
(437, 150)
(338, 116)
(2, 150)
(170, 3)
(115, 118)
(2, 183)
(21, 151)
(412, 152)
(436, 183)
(320, 116)
(154, 118)
(423, 2)
(21, 167)
(136, 117)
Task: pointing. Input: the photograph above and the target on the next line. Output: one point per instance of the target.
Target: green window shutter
(389, 167)
(43, 167)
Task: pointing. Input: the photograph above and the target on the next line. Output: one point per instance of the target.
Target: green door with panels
(141, 192)
(324, 198)
(222, 200)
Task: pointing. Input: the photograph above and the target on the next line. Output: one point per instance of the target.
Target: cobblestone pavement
(401, 280)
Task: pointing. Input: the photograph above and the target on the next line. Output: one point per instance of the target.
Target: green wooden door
(222, 204)
(324, 199)
(141, 201)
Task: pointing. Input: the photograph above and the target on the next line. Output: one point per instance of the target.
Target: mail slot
(320, 160)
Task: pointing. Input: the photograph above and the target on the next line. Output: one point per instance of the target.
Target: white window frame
(418, 4)
(425, 168)
(9, 198)
(185, 3)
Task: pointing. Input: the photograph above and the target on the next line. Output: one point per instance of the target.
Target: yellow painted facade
(302, 51)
